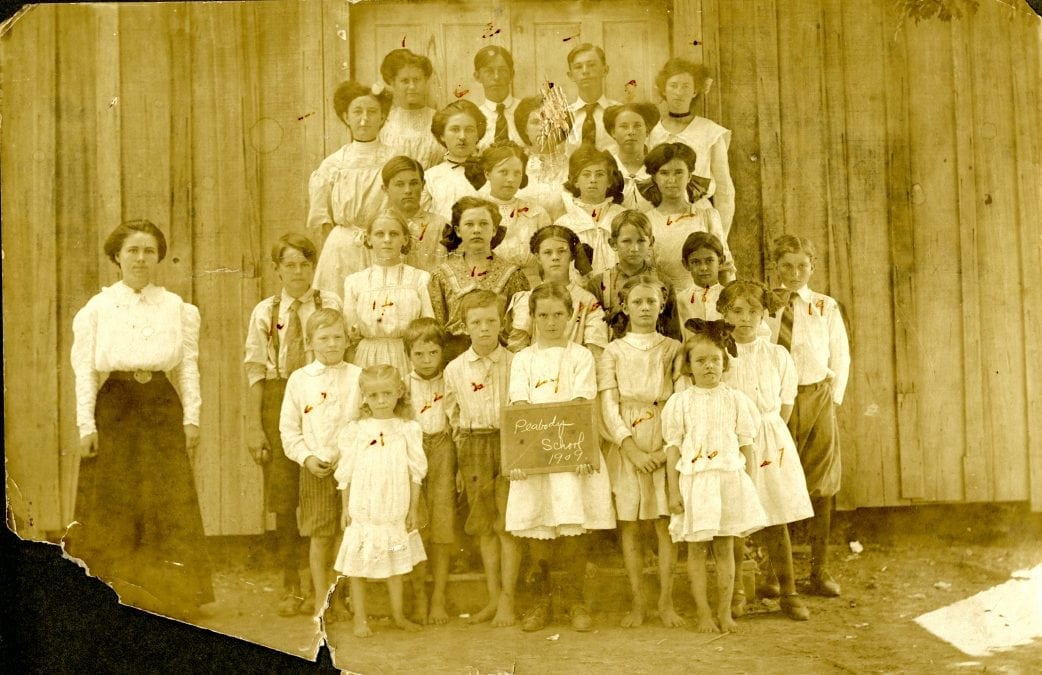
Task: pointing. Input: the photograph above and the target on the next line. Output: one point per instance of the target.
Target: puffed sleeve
(423, 290)
(747, 419)
(673, 421)
(84, 333)
(595, 330)
(607, 378)
(723, 199)
(789, 377)
(584, 376)
(839, 353)
(519, 378)
(415, 456)
(520, 322)
(320, 199)
(258, 343)
(347, 445)
(188, 370)
(291, 422)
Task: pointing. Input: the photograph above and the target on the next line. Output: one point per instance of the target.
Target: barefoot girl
(595, 185)
(504, 165)
(556, 248)
(408, 126)
(381, 467)
(766, 373)
(344, 191)
(674, 216)
(708, 430)
(562, 507)
(403, 182)
(471, 265)
(636, 378)
(381, 300)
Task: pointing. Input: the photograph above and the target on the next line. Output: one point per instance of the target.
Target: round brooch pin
(143, 376)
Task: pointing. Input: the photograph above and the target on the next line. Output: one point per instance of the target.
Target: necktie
(295, 356)
(501, 124)
(785, 326)
(589, 130)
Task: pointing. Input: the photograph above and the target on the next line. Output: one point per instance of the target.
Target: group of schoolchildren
(715, 400)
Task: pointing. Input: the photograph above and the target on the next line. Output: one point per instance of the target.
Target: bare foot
(635, 617)
(419, 612)
(669, 616)
(504, 612)
(407, 625)
(362, 629)
(484, 615)
(704, 623)
(437, 616)
(727, 623)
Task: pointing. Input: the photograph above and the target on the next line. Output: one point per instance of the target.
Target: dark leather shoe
(793, 607)
(537, 617)
(823, 584)
(581, 619)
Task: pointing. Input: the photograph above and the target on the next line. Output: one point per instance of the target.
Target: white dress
(546, 177)
(380, 460)
(345, 190)
(710, 142)
(592, 222)
(521, 218)
(547, 506)
(445, 183)
(410, 132)
(766, 373)
(720, 500)
(381, 301)
(631, 196)
(635, 374)
(586, 327)
(670, 231)
(696, 302)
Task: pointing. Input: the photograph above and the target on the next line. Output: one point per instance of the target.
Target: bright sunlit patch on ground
(1004, 616)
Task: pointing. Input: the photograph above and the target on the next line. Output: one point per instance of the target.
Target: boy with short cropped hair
(810, 326)
(275, 347)
(476, 385)
(425, 340)
(320, 399)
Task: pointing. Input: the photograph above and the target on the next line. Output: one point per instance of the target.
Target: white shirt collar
(149, 294)
(495, 355)
(490, 106)
(603, 103)
(308, 296)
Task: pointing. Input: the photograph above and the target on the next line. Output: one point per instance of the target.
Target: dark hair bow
(474, 171)
(717, 331)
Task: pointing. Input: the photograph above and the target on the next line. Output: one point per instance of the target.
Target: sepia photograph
(320, 318)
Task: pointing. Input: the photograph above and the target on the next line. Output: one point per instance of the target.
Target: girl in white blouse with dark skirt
(135, 356)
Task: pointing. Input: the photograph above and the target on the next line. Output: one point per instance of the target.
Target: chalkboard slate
(549, 437)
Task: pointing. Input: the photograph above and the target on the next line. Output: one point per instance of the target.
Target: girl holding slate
(636, 378)
(562, 505)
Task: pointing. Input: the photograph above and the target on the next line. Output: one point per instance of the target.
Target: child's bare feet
(704, 623)
(635, 617)
(407, 625)
(669, 616)
(505, 615)
(485, 614)
(437, 616)
(420, 606)
(727, 623)
(362, 629)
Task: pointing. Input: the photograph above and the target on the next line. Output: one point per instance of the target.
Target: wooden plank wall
(909, 153)
(904, 151)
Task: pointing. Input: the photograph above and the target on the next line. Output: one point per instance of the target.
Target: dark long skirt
(138, 522)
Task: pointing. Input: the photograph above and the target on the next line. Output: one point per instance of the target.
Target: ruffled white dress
(720, 500)
(381, 301)
(546, 177)
(766, 373)
(592, 222)
(410, 132)
(380, 459)
(547, 506)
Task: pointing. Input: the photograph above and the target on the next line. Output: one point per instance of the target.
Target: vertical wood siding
(909, 153)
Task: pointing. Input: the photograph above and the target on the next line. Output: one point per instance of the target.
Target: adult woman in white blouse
(138, 524)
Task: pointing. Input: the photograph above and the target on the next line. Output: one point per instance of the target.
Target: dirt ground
(869, 629)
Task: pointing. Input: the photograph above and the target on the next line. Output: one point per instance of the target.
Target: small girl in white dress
(557, 506)
(635, 375)
(381, 468)
(708, 431)
(381, 300)
(767, 374)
